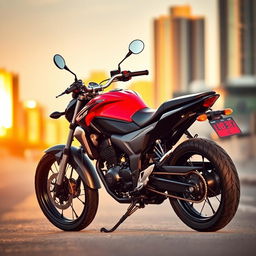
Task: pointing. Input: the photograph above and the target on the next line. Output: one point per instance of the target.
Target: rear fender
(82, 163)
(174, 123)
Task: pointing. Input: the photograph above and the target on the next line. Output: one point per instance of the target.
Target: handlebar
(139, 73)
(123, 76)
(127, 75)
(111, 80)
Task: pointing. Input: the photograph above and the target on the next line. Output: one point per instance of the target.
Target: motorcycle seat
(147, 116)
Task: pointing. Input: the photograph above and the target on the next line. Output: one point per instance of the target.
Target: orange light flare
(228, 111)
(6, 103)
(202, 117)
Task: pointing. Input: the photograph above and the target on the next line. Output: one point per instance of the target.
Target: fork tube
(64, 159)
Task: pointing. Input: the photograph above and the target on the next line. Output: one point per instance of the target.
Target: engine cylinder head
(107, 152)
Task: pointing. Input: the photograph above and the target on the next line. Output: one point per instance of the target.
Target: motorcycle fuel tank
(118, 105)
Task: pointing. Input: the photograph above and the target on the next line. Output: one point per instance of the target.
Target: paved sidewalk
(247, 171)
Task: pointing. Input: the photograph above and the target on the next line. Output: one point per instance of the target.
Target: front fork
(66, 150)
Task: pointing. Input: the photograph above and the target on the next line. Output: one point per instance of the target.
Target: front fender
(84, 166)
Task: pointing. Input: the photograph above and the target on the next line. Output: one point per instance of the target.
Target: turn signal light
(202, 117)
(228, 111)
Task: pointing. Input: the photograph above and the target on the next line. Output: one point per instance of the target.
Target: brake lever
(76, 85)
(61, 94)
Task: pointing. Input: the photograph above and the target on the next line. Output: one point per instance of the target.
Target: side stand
(131, 209)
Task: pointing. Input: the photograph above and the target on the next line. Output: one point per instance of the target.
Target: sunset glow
(30, 104)
(6, 103)
(3, 131)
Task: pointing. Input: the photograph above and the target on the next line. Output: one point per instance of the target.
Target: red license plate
(225, 127)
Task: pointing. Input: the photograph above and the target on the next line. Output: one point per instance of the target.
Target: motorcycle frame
(133, 143)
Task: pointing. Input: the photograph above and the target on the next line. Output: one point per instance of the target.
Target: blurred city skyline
(179, 49)
(91, 35)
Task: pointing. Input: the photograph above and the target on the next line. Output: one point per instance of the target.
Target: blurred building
(145, 90)
(9, 104)
(163, 86)
(56, 131)
(34, 124)
(52, 131)
(237, 30)
(23, 125)
(179, 52)
(237, 23)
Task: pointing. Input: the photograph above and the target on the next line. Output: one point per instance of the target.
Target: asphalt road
(154, 230)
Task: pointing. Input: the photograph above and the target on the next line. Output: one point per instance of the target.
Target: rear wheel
(75, 206)
(223, 189)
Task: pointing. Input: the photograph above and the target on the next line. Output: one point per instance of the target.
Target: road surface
(154, 230)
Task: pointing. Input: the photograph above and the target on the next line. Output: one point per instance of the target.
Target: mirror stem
(71, 72)
(127, 55)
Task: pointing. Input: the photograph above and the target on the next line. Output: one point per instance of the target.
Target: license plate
(225, 127)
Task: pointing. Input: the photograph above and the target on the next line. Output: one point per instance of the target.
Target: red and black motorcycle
(132, 148)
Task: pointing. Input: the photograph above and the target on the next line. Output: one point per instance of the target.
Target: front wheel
(75, 206)
(223, 189)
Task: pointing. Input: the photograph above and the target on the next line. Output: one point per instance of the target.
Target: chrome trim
(95, 128)
(158, 142)
(143, 178)
(94, 139)
(82, 113)
(110, 81)
(79, 134)
(164, 157)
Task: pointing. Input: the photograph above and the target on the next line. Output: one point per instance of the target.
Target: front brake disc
(52, 195)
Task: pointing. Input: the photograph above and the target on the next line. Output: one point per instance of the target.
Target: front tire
(223, 185)
(76, 207)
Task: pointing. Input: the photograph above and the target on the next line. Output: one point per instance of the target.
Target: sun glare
(6, 106)
(2, 131)
(30, 104)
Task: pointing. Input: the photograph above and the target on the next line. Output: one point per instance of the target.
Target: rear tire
(77, 210)
(227, 193)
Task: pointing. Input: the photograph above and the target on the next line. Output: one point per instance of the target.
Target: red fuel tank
(120, 105)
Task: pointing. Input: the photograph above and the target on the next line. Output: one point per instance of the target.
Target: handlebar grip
(75, 86)
(139, 73)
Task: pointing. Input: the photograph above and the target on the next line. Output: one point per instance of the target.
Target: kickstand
(131, 209)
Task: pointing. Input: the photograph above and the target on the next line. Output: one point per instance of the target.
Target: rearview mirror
(136, 46)
(59, 61)
(61, 64)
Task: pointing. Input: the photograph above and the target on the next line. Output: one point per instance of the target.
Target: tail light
(210, 101)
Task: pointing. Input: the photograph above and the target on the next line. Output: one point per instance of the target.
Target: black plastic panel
(113, 126)
(69, 111)
(134, 142)
(147, 116)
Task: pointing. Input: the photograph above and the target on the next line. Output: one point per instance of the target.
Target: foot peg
(131, 209)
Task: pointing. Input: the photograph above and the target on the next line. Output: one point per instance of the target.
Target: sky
(91, 35)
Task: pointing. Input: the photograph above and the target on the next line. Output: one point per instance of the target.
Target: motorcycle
(136, 156)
